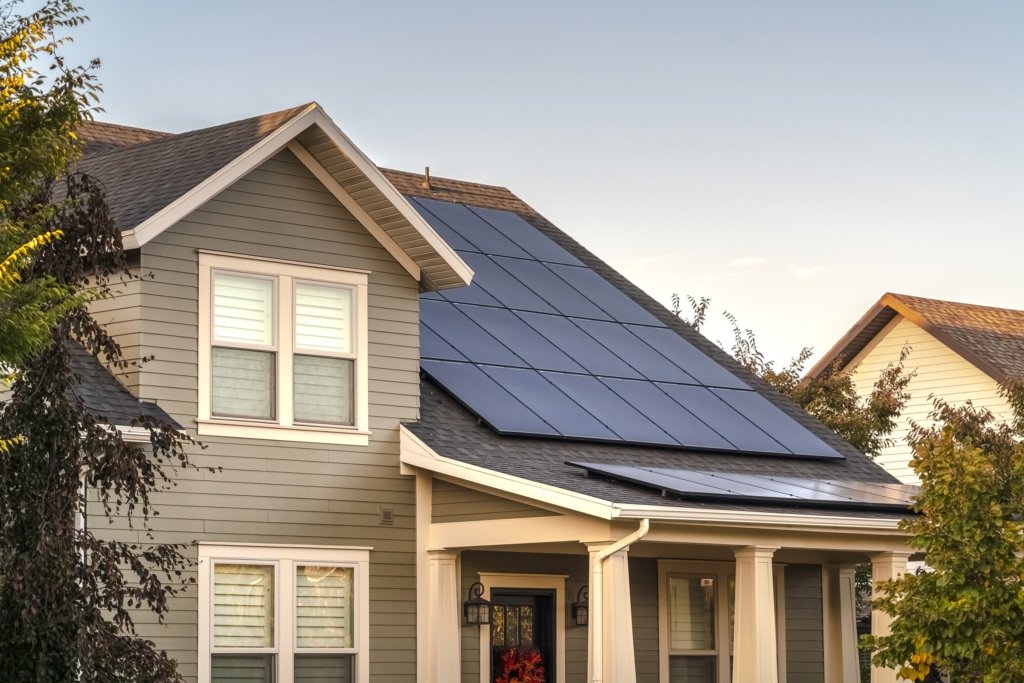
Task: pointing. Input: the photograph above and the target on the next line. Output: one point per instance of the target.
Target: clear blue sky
(792, 161)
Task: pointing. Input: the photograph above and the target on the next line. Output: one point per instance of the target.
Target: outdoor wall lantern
(476, 609)
(581, 608)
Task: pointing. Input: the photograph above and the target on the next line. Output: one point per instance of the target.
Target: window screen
(243, 606)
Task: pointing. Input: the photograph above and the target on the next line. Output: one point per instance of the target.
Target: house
(447, 432)
(960, 352)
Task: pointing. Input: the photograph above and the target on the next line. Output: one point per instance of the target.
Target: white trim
(286, 262)
(283, 427)
(499, 580)
(285, 558)
(310, 162)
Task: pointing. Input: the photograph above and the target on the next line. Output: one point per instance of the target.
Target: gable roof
(991, 339)
(454, 432)
(105, 397)
(153, 180)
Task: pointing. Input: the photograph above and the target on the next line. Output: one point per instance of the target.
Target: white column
(884, 566)
(424, 500)
(839, 598)
(755, 657)
(444, 649)
(619, 658)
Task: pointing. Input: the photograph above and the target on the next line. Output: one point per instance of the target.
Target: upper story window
(282, 350)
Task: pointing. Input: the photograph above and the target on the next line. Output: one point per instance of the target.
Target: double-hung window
(283, 350)
(276, 614)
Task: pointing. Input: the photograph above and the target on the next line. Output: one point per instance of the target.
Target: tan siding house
(959, 352)
(313, 320)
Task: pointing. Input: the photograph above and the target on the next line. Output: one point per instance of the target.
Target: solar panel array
(708, 486)
(542, 345)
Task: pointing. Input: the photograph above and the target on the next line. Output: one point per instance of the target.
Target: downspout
(597, 593)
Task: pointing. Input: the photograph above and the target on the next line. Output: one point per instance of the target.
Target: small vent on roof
(426, 179)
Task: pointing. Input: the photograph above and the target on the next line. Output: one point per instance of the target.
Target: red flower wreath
(521, 666)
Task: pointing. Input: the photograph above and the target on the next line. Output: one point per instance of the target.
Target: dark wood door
(523, 621)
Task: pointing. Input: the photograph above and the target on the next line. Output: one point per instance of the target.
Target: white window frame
(720, 571)
(285, 558)
(284, 274)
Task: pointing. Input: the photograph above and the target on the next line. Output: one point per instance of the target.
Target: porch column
(884, 566)
(839, 597)
(616, 618)
(755, 659)
(444, 652)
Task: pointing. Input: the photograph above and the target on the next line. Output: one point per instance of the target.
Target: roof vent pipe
(426, 179)
(597, 593)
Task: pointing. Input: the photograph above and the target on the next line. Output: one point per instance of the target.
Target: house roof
(152, 180)
(454, 432)
(105, 397)
(992, 339)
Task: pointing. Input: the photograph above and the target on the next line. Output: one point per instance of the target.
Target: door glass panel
(691, 613)
(498, 626)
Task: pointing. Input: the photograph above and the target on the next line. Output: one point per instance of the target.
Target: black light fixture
(476, 609)
(581, 608)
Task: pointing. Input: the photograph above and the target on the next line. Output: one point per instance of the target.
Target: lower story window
(273, 614)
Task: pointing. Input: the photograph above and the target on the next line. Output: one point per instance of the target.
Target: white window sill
(272, 432)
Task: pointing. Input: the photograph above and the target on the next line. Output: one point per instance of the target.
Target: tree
(832, 397)
(965, 616)
(66, 596)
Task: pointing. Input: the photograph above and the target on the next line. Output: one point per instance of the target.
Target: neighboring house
(960, 352)
(421, 395)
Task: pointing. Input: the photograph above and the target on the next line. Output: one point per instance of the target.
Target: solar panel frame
(642, 357)
(605, 295)
(688, 357)
(529, 238)
(586, 350)
(524, 341)
(557, 292)
(721, 417)
(766, 416)
(466, 337)
(476, 231)
(506, 289)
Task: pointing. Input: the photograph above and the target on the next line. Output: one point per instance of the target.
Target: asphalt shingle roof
(107, 398)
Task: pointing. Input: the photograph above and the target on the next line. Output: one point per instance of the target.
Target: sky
(792, 161)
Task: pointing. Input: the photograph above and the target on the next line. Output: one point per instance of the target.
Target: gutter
(597, 590)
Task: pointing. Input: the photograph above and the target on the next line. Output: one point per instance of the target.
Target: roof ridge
(906, 298)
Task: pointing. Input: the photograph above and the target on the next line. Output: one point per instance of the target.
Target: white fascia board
(748, 518)
(415, 453)
(219, 181)
(391, 193)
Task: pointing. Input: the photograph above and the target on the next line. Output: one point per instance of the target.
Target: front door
(522, 636)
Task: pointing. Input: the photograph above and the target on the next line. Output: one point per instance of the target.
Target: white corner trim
(391, 193)
(418, 454)
(310, 162)
(206, 190)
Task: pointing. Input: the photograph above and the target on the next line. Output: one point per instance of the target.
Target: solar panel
(750, 488)
(581, 357)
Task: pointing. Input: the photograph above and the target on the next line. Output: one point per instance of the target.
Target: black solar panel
(750, 488)
(540, 344)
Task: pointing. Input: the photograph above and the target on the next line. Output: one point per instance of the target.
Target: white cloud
(812, 271)
(644, 263)
(747, 261)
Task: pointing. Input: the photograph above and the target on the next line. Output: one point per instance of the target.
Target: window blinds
(323, 318)
(323, 609)
(243, 606)
(323, 390)
(691, 613)
(243, 383)
(243, 310)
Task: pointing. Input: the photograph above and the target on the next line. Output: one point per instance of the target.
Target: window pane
(243, 605)
(243, 669)
(691, 669)
(243, 310)
(323, 390)
(691, 613)
(243, 383)
(323, 318)
(323, 611)
(323, 668)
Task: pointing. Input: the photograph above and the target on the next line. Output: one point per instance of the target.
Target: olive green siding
(643, 597)
(454, 503)
(277, 491)
(805, 644)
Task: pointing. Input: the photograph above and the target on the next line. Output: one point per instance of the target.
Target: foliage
(521, 666)
(966, 615)
(831, 396)
(67, 597)
(38, 114)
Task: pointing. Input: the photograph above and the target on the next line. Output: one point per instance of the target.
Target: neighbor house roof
(454, 432)
(152, 180)
(992, 339)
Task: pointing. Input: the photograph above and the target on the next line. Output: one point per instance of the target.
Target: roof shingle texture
(453, 431)
(995, 335)
(105, 397)
(144, 177)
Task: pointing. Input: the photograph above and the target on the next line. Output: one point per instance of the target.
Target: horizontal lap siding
(285, 492)
(454, 503)
(940, 371)
(805, 643)
(643, 596)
